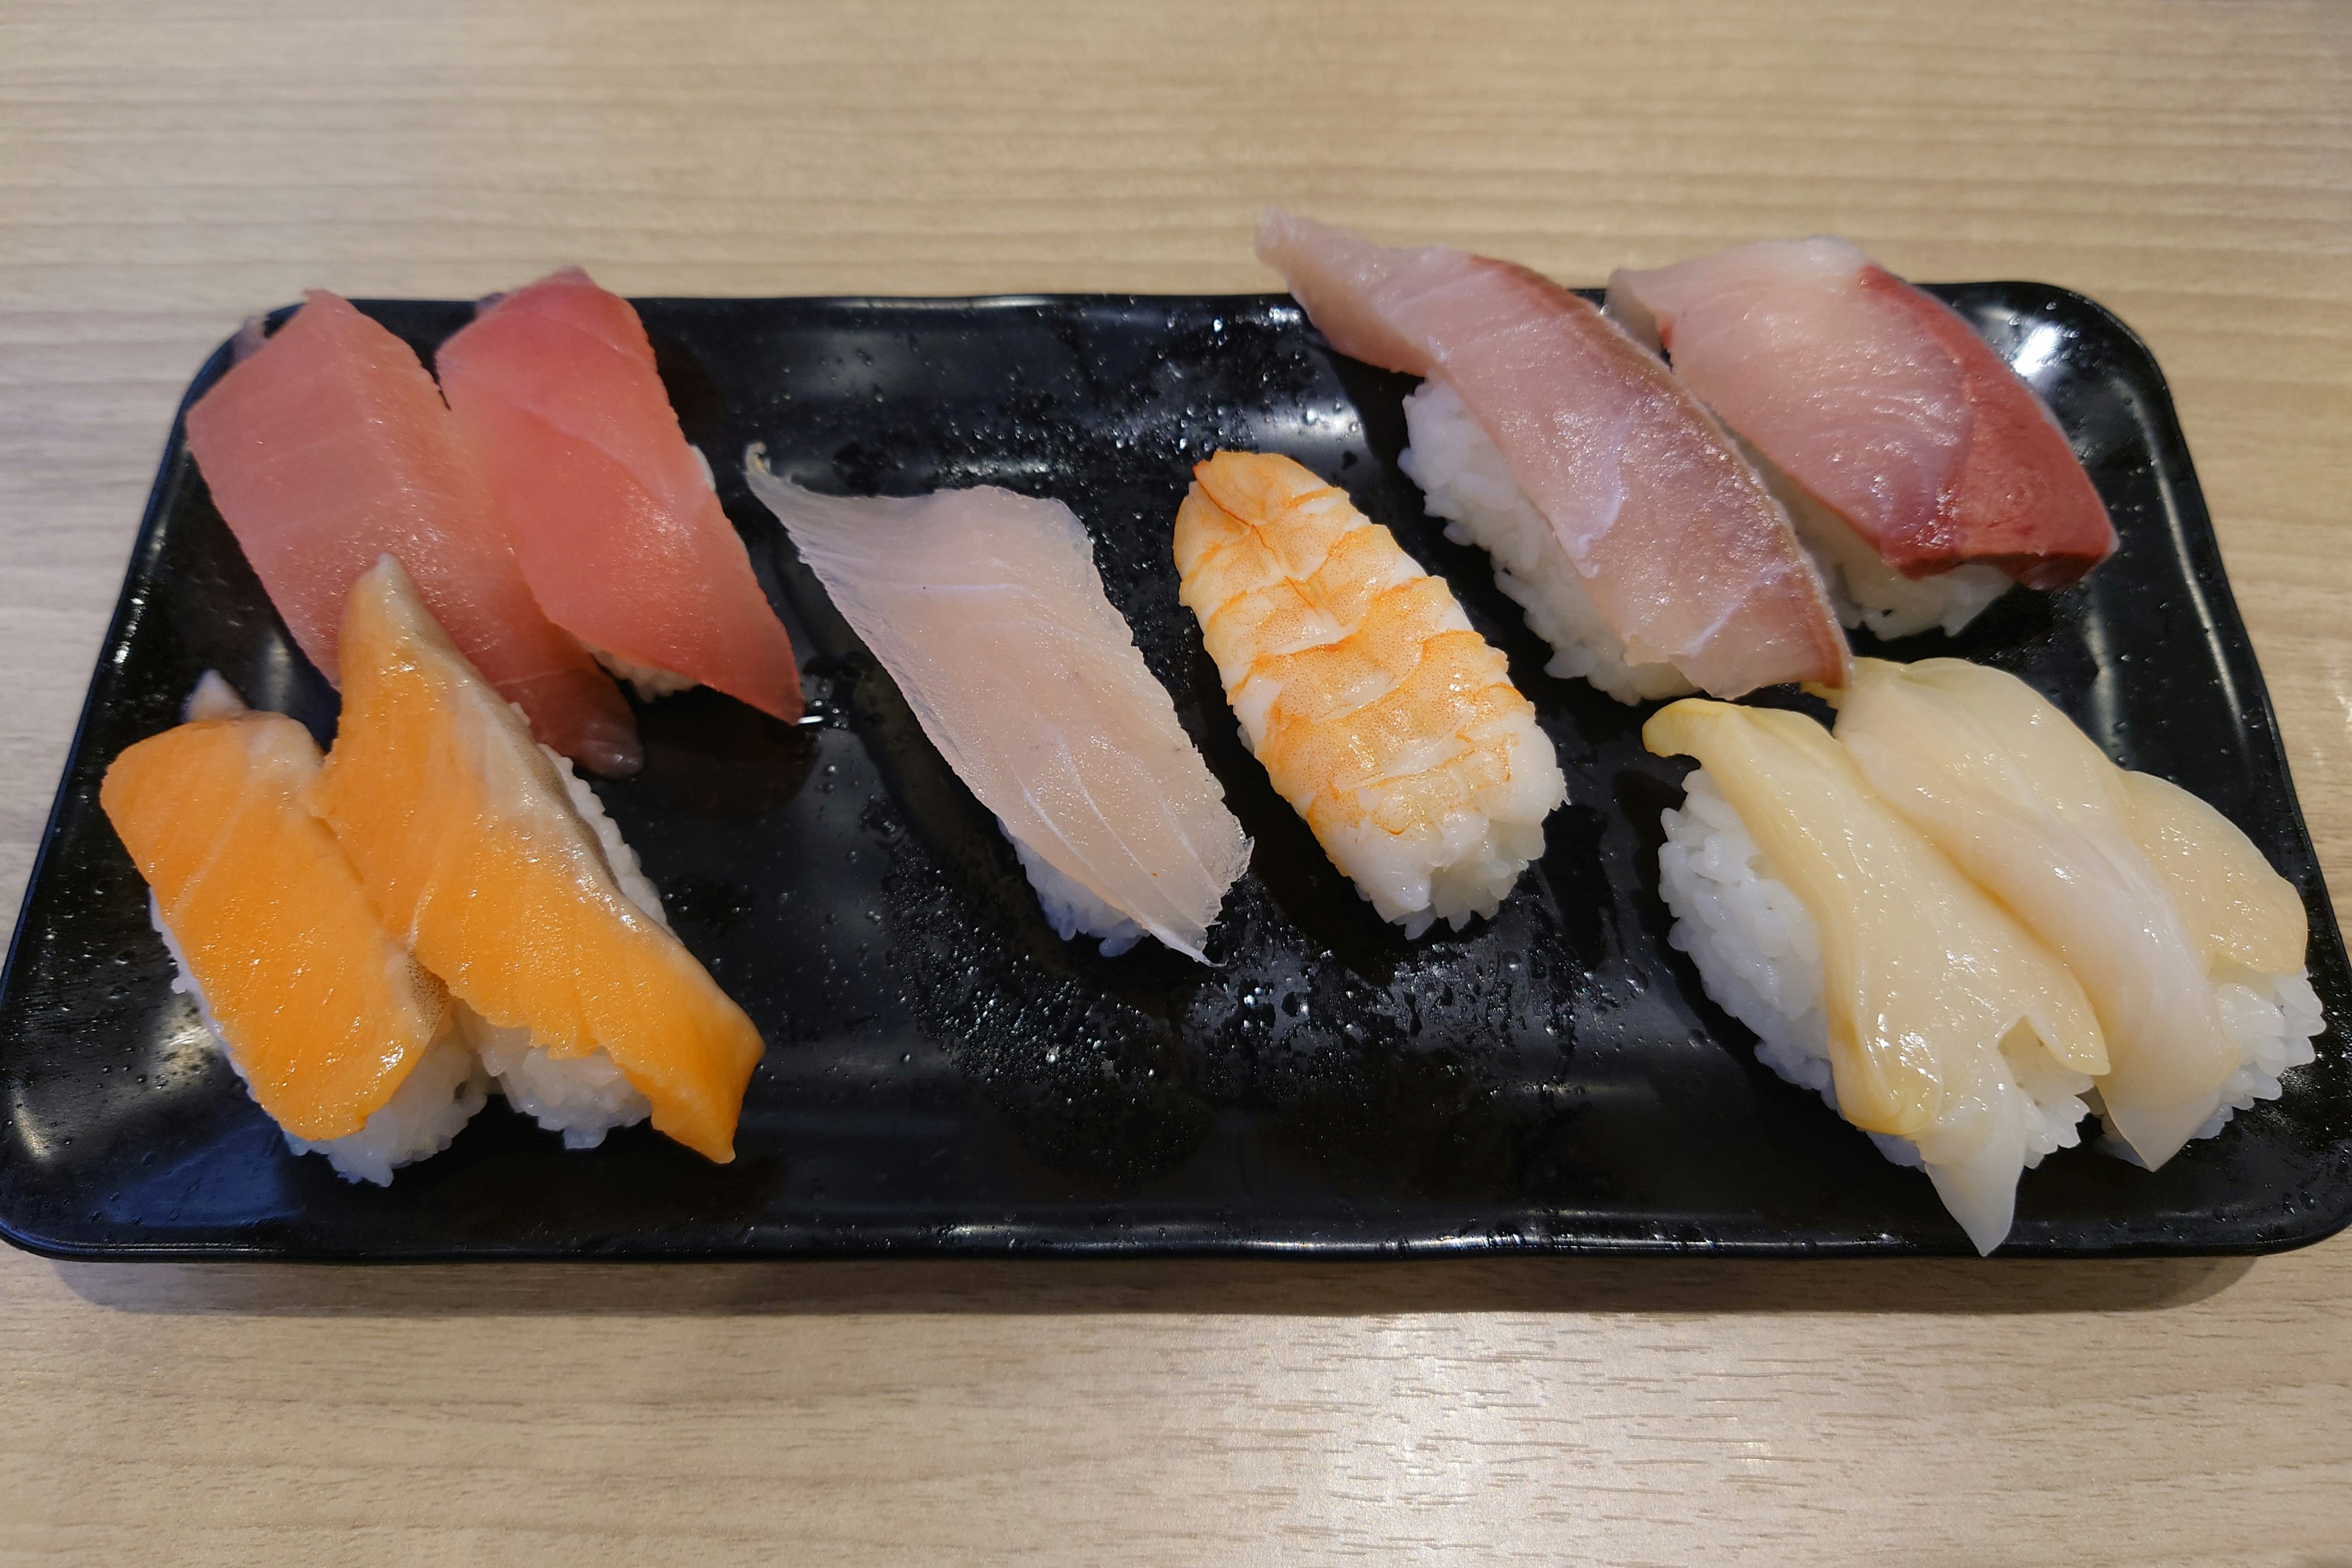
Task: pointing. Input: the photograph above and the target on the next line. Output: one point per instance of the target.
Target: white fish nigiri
(1871, 968)
(2158, 903)
(987, 610)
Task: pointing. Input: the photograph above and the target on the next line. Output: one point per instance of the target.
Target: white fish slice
(986, 608)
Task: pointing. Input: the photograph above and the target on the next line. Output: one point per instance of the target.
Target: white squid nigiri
(1871, 968)
(2161, 907)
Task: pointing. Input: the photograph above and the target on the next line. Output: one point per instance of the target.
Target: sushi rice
(1071, 908)
(2272, 1019)
(1464, 480)
(424, 1114)
(1758, 951)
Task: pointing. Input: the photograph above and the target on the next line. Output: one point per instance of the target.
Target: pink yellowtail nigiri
(1639, 540)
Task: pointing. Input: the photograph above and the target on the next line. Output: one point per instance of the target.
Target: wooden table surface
(165, 169)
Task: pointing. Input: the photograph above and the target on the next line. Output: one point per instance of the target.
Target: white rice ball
(582, 1098)
(2272, 1019)
(1071, 908)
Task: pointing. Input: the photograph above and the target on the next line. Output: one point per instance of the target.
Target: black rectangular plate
(944, 1077)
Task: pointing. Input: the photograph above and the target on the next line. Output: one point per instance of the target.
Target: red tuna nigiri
(1877, 400)
(1680, 548)
(329, 447)
(620, 533)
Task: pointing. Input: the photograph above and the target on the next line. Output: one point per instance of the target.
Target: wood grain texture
(167, 168)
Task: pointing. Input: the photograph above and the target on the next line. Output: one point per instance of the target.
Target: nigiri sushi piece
(986, 608)
(1380, 713)
(1870, 969)
(328, 446)
(1925, 474)
(504, 876)
(615, 517)
(351, 1047)
(2188, 945)
(1641, 544)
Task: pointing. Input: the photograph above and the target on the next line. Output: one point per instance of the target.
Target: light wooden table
(165, 169)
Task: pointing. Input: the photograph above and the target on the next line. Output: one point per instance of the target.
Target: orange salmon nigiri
(620, 532)
(471, 843)
(329, 446)
(346, 1043)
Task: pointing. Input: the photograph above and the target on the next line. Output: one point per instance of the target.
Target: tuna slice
(614, 515)
(1880, 402)
(329, 447)
(468, 838)
(987, 609)
(1683, 552)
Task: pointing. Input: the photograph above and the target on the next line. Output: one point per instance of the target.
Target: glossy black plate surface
(944, 1075)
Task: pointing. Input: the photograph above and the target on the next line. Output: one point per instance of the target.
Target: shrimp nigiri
(1380, 715)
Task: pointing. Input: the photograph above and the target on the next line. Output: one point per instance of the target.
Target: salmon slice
(1681, 551)
(620, 532)
(464, 838)
(1880, 402)
(329, 447)
(322, 1010)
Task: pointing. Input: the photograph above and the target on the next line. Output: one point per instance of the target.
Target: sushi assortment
(440, 906)
(1949, 914)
